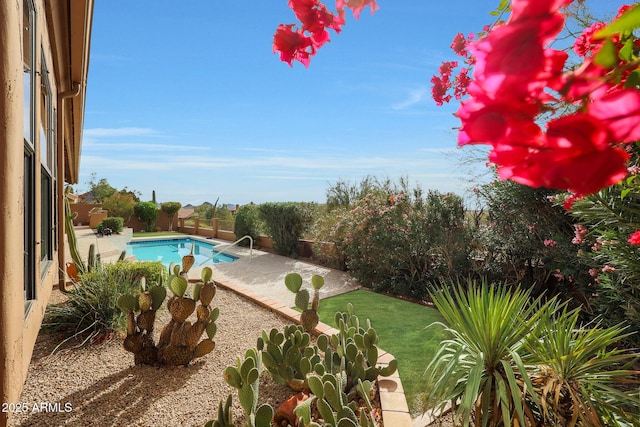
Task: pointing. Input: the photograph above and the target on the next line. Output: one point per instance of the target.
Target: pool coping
(393, 402)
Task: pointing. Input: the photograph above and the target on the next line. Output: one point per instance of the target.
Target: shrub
(286, 223)
(513, 359)
(148, 213)
(400, 243)
(247, 223)
(171, 209)
(120, 205)
(115, 223)
(91, 309)
(528, 240)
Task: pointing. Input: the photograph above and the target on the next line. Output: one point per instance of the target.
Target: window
(47, 157)
(29, 185)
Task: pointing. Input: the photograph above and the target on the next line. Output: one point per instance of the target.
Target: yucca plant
(480, 370)
(578, 369)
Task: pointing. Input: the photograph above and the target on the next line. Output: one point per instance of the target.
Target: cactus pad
(293, 282)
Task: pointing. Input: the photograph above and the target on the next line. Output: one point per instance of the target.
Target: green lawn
(158, 234)
(401, 328)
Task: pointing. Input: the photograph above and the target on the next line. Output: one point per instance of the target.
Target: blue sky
(187, 99)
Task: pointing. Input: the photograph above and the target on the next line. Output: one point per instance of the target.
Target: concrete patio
(261, 272)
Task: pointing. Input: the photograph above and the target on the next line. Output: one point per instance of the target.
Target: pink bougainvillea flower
(634, 239)
(487, 122)
(439, 88)
(513, 62)
(292, 45)
(462, 83)
(620, 111)
(534, 9)
(357, 6)
(575, 156)
(579, 156)
(585, 44)
(460, 44)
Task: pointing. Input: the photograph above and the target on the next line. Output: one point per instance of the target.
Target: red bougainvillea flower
(292, 45)
(634, 239)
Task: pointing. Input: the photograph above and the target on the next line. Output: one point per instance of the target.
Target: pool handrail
(230, 246)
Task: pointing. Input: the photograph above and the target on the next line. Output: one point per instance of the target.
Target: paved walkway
(261, 272)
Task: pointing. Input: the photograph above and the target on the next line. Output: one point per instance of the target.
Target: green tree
(120, 205)
(247, 223)
(148, 213)
(285, 223)
(171, 209)
(100, 189)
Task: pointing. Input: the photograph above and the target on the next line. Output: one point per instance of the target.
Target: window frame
(29, 164)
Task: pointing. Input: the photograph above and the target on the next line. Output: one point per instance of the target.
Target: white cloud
(414, 97)
(118, 132)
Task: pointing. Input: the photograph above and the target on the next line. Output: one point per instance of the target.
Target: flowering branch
(299, 42)
(517, 77)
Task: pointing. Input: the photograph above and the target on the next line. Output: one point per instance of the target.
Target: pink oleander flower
(550, 243)
(608, 269)
(634, 239)
(594, 272)
(580, 232)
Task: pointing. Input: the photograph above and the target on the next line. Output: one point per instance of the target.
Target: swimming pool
(172, 250)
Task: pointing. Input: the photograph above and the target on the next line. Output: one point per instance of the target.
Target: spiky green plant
(579, 370)
(91, 309)
(480, 368)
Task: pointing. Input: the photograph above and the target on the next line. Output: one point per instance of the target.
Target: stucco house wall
(44, 47)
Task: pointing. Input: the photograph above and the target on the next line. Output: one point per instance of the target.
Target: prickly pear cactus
(288, 356)
(245, 376)
(179, 342)
(309, 318)
(356, 344)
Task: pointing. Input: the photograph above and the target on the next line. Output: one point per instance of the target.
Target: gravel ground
(99, 385)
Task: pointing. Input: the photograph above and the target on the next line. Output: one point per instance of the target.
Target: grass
(401, 326)
(158, 234)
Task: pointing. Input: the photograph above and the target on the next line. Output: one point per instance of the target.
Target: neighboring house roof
(185, 213)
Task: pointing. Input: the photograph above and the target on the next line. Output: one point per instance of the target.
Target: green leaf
(629, 21)
(633, 79)
(626, 52)
(607, 56)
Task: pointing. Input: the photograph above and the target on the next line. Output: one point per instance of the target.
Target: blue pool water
(172, 250)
